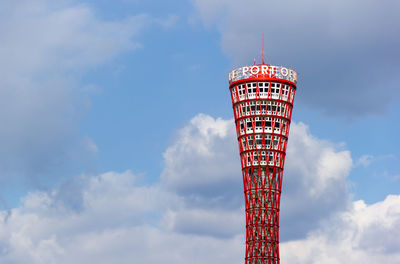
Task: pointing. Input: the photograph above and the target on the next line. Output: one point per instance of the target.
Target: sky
(118, 142)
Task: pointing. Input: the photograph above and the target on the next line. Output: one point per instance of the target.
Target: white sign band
(268, 71)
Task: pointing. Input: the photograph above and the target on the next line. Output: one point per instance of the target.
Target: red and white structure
(262, 97)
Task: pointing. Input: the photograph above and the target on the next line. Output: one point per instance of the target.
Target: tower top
(264, 71)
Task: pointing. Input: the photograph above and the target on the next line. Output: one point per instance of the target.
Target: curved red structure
(262, 97)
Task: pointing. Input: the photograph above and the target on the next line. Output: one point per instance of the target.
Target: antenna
(262, 54)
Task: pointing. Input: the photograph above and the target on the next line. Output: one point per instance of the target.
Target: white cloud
(217, 223)
(363, 234)
(118, 222)
(314, 182)
(318, 160)
(202, 165)
(111, 218)
(204, 158)
(365, 160)
(116, 225)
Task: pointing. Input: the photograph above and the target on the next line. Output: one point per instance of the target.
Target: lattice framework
(262, 109)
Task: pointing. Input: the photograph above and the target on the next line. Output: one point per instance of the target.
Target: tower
(262, 99)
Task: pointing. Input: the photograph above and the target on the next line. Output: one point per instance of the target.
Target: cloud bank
(112, 218)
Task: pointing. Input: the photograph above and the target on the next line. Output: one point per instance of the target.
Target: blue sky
(118, 136)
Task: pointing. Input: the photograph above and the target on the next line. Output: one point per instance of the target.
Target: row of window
(262, 158)
(264, 89)
(264, 141)
(260, 107)
(263, 123)
(262, 171)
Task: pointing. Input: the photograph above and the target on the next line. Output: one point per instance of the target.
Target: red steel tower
(262, 98)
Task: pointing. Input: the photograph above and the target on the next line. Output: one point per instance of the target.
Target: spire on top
(262, 54)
